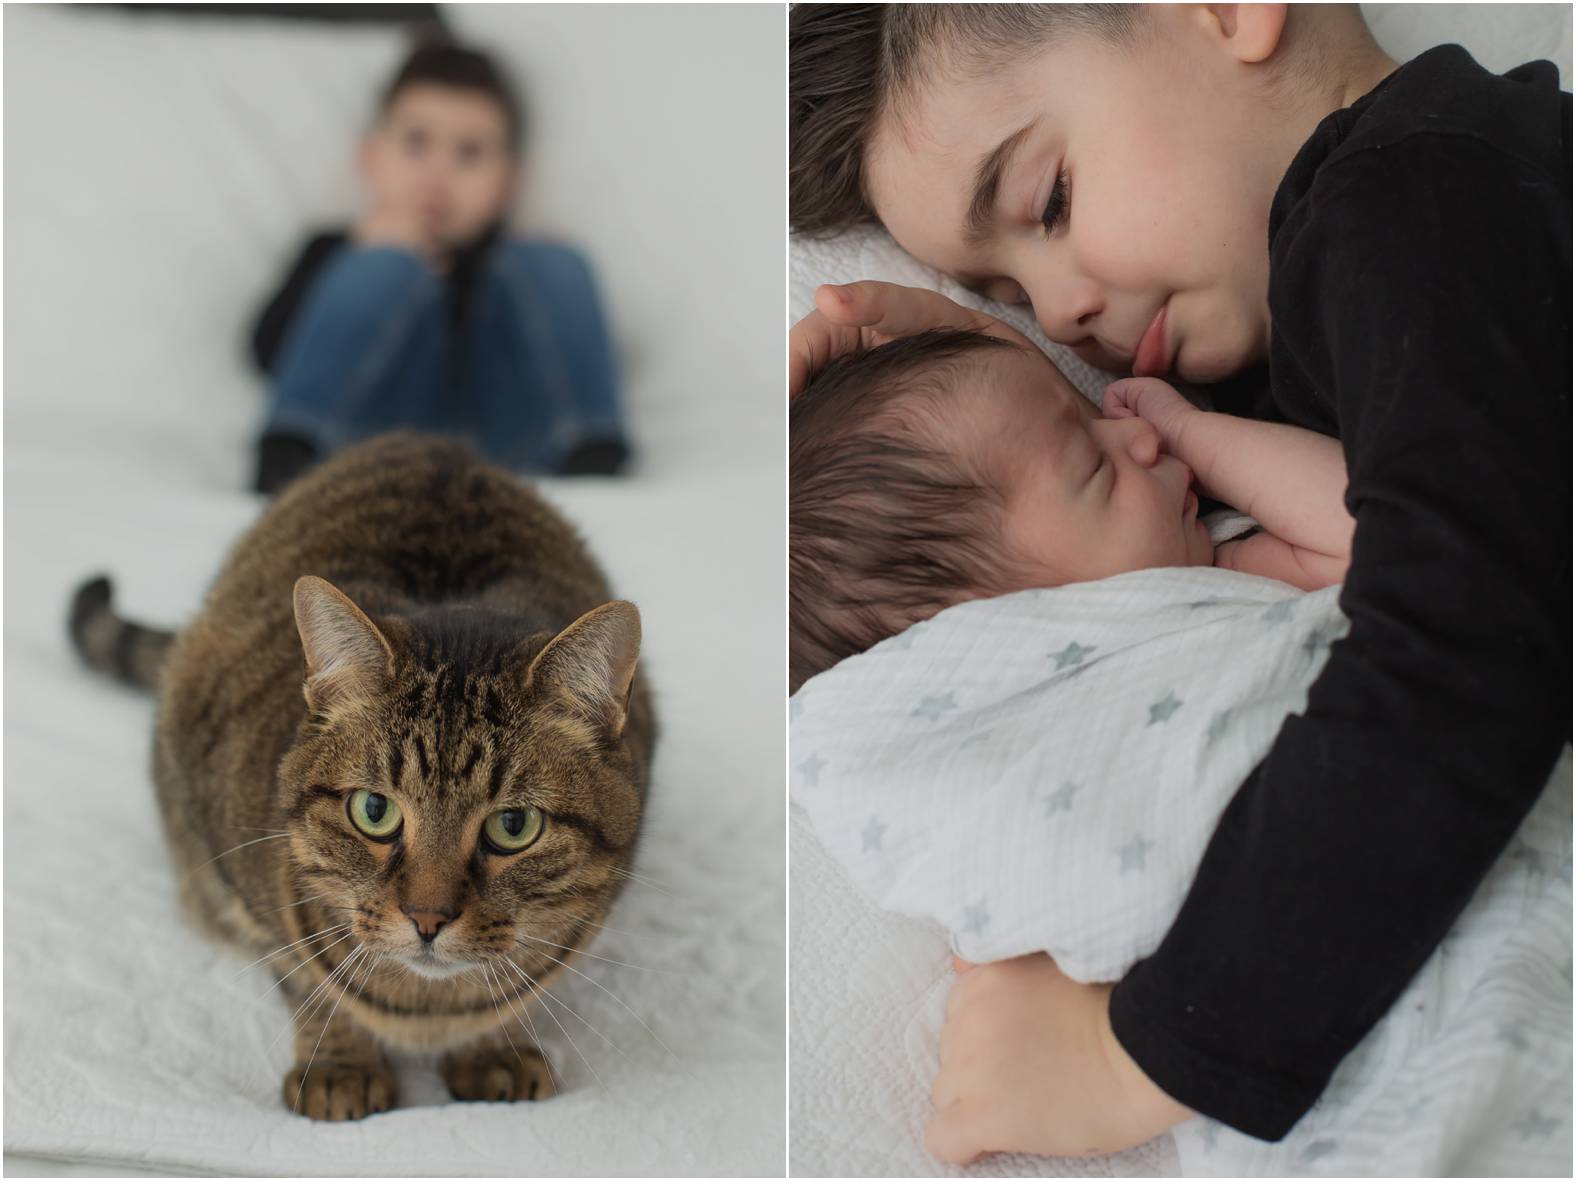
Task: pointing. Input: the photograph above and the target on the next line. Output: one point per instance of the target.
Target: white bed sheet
(160, 170)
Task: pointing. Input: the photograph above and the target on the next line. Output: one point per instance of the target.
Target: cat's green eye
(516, 829)
(376, 815)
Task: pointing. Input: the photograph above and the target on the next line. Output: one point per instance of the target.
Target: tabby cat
(401, 753)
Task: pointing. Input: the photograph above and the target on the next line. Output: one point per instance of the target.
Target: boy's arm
(1444, 311)
(268, 334)
(1292, 481)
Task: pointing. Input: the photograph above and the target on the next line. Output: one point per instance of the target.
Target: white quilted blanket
(1042, 772)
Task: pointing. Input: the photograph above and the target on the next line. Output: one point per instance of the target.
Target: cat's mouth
(430, 964)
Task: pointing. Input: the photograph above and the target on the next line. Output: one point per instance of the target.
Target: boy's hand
(391, 225)
(1154, 401)
(855, 316)
(1029, 1064)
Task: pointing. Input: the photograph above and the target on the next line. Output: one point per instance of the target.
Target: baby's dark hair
(439, 62)
(885, 526)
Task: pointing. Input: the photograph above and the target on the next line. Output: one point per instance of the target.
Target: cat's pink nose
(429, 922)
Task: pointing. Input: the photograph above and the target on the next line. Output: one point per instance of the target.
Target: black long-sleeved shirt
(1420, 280)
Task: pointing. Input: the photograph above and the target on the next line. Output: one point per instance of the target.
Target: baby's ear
(348, 660)
(588, 668)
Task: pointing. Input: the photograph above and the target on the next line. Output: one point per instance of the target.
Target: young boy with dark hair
(1378, 252)
(427, 313)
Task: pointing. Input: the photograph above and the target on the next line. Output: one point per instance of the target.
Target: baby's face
(442, 154)
(1085, 497)
(1127, 182)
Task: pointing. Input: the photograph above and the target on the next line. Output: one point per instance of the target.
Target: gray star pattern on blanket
(1209, 1134)
(976, 918)
(1134, 852)
(1074, 653)
(1533, 859)
(1217, 726)
(1317, 641)
(1162, 710)
(1061, 800)
(795, 709)
(870, 838)
(810, 770)
(904, 641)
(931, 708)
(1317, 1149)
(974, 740)
(1278, 612)
(1535, 1123)
(1514, 1036)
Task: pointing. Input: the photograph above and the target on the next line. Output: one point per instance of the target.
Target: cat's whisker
(276, 837)
(618, 1001)
(644, 881)
(620, 930)
(303, 902)
(344, 987)
(542, 992)
(287, 947)
(590, 956)
(502, 1024)
(313, 999)
(308, 960)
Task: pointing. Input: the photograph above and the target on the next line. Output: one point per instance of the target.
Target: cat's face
(456, 800)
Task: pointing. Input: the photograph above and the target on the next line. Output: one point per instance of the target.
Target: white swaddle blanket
(1042, 772)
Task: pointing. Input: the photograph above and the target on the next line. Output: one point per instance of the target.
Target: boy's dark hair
(847, 63)
(884, 528)
(440, 62)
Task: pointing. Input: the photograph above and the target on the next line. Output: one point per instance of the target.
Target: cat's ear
(347, 658)
(590, 666)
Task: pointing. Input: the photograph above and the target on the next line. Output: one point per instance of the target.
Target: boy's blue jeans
(372, 348)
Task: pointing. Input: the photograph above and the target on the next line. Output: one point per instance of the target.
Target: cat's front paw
(340, 1090)
(499, 1074)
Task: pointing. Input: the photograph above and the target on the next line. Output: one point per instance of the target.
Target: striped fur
(465, 576)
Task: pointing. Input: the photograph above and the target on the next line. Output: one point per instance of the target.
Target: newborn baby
(951, 466)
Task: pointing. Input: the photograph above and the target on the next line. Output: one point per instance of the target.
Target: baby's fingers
(1114, 402)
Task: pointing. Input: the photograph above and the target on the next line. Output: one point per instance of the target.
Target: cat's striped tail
(117, 647)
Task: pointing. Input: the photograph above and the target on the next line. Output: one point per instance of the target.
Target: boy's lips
(1152, 359)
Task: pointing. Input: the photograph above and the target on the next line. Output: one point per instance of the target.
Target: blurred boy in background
(426, 314)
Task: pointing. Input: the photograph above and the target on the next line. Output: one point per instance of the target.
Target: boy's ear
(1251, 32)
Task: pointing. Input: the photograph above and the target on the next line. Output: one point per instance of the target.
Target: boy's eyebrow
(987, 179)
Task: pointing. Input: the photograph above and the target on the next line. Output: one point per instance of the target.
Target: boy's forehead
(931, 150)
(448, 106)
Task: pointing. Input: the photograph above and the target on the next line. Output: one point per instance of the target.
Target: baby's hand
(1152, 400)
(1029, 1064)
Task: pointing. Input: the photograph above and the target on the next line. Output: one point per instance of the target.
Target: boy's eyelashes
(1058, 205)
